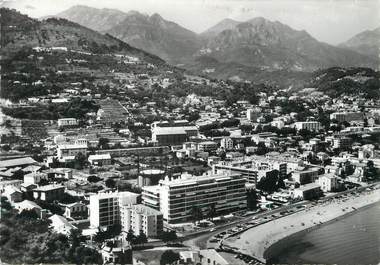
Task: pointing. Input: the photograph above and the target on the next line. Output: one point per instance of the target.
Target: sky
(331, 21)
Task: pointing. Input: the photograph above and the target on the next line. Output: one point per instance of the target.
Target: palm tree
(211, 211)
(196, 213)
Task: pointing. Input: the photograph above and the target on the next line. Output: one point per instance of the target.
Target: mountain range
(366, 42)
(20, 31)
(254, 44)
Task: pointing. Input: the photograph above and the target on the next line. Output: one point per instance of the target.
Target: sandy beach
(256, 241)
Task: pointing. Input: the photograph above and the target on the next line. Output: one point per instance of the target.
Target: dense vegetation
(77, 108)
(26, 239)
(348, 81)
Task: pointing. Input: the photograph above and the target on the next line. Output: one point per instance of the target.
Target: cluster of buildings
(240, 146)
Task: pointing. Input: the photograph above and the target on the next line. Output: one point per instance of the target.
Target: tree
(141, 238)
(110, 183)
(130, 236)
(211, 211)
(196, 213)
(103, 143)
(269, 183)
(168, 257)
(168, 236)
(93, 179)
(80, 161)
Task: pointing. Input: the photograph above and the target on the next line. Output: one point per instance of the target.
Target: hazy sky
(331, 21)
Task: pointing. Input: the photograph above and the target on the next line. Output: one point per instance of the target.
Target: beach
(266, 240)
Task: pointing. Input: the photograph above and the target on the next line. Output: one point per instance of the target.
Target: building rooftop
(143, 209)
(173, 130)
(17, 162)
(72, 146)
(309, 186)
(187, 179)
(100, 156)
(49, 187)
(106, 195)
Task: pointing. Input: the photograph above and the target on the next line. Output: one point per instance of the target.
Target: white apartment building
(207, 146)
(67, 122)
(141, 218)
(308, 125)
(253, 114)
(328, 182)
(227, 143)
(176, 198)
(100, 159)
(70, 150)
(305, 176)
(105, 207)
(347, 116)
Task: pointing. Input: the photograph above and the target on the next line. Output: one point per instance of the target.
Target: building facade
(308, 125)
(67, 122)
(178, 197)
(105, 207)
(141, 218)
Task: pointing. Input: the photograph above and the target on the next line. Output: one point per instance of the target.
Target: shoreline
(279, 246)
(264, 241)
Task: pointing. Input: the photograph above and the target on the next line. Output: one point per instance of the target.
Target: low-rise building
(49, 192)
(305, 176)
(75, 210)
(346, 116)
(328, 182)
(69, 151)
(308, 125)
(13, 194)
(308, 191)
(227, 143)
(61, 225)
(207, 146)
(100, 160)
(30, 206)
(67, 122)
(173, 135)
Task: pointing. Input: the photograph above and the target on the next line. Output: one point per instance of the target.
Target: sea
(352, 239)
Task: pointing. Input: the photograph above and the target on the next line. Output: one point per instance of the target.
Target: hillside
(93, 18)
(158, 36)
(339, 81)
(153, 34)
(366, 42)
(273, 45)
(225, 24)
(20, 31)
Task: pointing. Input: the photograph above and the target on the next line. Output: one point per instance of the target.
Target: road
(199, 239)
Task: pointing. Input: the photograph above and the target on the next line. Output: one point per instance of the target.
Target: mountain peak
(222, 25)
(259, 20)
(156, 16)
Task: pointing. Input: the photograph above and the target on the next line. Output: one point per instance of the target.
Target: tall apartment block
(176, 198)
(105, 207)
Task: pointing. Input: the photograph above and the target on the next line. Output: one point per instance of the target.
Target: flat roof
(309, 186)
(17, 162)
(193, 180)
(99, 156)
(173, 130)
(49, 187)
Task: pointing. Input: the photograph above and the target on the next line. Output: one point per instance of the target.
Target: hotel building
(176, 198)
